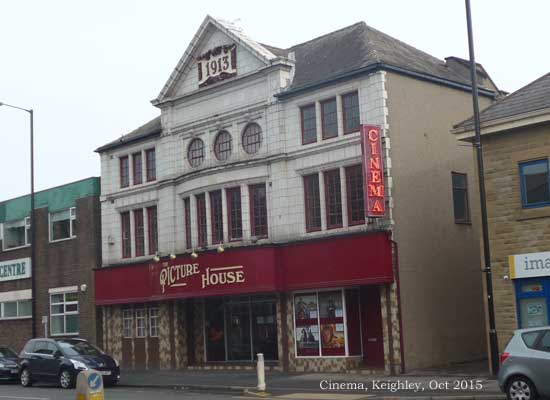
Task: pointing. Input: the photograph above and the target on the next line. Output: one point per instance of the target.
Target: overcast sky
(90, 69)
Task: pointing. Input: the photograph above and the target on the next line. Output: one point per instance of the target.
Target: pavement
(462, 383)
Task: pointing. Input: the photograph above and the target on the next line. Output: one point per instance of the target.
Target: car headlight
(116, 362)
(78, 364)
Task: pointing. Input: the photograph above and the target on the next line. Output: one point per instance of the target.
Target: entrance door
(373, 335)
(238, 331)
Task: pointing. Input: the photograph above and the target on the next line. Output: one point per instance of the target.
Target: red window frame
(333, 198)
(302, 109)
(195, 152)
(358, 127)
(223, 145)
(137, 168)
(151, 164)
(152, 225)
(139, 232)
(201, 219)
(258, 210)
(252, 138)
(234, 214)
(126, 235)
(314, 197)
(124, 171)
(355, 194)
(323, 117)
(216, 216)
(187, 217)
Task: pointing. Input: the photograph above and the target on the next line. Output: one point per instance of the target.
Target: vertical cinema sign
(373, 172)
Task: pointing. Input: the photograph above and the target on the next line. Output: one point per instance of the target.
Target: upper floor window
(350, 112)
(460, 198)
(333, 198)
(534, 181)
(354, 191)
(234, 213)
(312, 202)
(329, 117)
(124, 172)
(222, 145)
(152, 226)
(195, 152)
(201, 219)
(187, 216)
(216, 216)
(258, 210)
(139, 232)
(252, 138)
(309, 124)
(151, 164)
(137, 166)
(126, 235)
(63, 224)
(17, 233)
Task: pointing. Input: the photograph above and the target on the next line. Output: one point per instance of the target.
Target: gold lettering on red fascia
(373, 170)
(177, 275)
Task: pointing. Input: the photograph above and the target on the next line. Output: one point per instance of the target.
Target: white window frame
(26, 224)
(17, 302)
(72, 218)
(125, 317)
(142, 317)
(65, 313)
(156, 324)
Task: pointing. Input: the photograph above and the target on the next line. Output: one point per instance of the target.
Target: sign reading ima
(529, 265)
(373, 171)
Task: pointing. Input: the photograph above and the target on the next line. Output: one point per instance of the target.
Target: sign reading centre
(15, 269)
(529, 265)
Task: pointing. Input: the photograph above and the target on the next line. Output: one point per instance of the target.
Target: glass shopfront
(237, 328)
(533, 302)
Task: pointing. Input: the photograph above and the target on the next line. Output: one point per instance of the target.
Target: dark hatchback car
(8, 364)
(61, 360)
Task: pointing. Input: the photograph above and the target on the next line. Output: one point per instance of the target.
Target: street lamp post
(33, 220)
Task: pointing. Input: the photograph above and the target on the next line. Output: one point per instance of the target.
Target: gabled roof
(262, 52)
(531, 98)
(150, 129)
(358, 47)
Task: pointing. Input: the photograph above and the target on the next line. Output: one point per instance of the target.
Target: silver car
(525, 365)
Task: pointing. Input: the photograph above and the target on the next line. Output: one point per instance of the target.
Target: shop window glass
(264, 329)
(307, 324)
(127, 323)
(533, 312)
(214, 330)
(153, 322)
(331, 313)
(237, 322)
(535, 190)
(140, 323)
(532, 287)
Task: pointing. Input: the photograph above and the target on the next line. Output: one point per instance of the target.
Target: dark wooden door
(373, 335)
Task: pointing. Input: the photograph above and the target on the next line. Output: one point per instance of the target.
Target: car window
(530, 338)
(5, 352)
(544, 344)
(44, 348)
(29, 347)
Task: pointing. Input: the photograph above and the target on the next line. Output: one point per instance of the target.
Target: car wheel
(520, 388)
(66, 379)
(25, 378)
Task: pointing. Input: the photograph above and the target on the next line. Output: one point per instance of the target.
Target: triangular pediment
(219, 51)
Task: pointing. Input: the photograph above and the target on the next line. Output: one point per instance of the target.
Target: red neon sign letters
(373, 170)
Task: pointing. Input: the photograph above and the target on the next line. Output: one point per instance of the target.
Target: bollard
(261, 373)
(89, 385)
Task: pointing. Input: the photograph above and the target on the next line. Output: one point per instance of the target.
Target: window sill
(463, 223)
(17, 248)
(14, 318)
(63, 240)
(524, 214)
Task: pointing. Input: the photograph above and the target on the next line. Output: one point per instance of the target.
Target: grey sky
(90, 69)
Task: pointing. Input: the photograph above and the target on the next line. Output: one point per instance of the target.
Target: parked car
(525, 365)
(61, 360)
(8, 364)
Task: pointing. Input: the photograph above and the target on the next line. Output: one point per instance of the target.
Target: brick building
(235, 223)
(516, 149)
(68, 249)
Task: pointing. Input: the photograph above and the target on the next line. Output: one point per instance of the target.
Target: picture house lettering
(180, 275)
(373, 172)
(217, 64)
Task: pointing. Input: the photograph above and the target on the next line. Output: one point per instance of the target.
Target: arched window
(195, 152)
(222, 146)
(252, 138)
